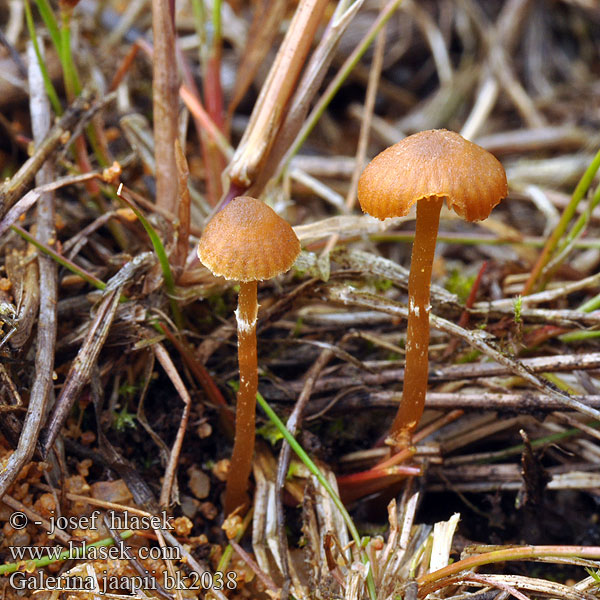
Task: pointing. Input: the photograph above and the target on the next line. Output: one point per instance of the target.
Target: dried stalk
(365, 127)
(474, 338)
(273, 101)
(41, 390)
(164, 104)
(60, 135)
(80, 371)
(166, 494)
(81, 368)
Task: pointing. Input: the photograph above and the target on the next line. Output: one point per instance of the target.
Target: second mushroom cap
(438, 163)
(248, 241)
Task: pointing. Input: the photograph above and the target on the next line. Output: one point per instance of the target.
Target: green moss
(124, 420)
(383, 285)
(469, 357)
(460, 284)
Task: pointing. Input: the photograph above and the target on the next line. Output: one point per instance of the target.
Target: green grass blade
(49, 87)
(70, 76)
(61, 260)
(64, 261)
(49, 19)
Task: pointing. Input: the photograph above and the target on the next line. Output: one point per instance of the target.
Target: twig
(558, 363)
(46, 335)
(528, 402)
(266, 580)
(79, 112)
(80, 370)
(167, 364)
(473, 338)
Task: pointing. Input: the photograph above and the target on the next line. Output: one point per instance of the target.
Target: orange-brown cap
(248, 241)
(437, 163)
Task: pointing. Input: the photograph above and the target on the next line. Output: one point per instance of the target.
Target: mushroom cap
(435, 163)
(248, 241)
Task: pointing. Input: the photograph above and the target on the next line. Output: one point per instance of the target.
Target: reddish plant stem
(417, 335)
(124, 67)
(543, 334)
(243, 445)
(164, 105)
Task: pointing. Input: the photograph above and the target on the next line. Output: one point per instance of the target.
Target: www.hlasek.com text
(92, 552)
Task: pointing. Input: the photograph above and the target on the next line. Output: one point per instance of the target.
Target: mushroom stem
(417, 335)
(243, 445)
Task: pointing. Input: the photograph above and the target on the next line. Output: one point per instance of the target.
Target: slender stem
(417, 336)
(243, 445)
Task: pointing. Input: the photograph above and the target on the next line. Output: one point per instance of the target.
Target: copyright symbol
(18, 520)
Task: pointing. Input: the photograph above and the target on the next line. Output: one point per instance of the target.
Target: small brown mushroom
(426, 168)
(248, 242)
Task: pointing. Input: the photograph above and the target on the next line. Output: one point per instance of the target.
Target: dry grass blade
(46, 287)
(529, 584)
(31, 197)
(365, 126)
(168, 492)
(345, 226)
(507, 31)
(308, 86)
(275, 94)
(268, 15)
(293, 425)
(476, 339)
(79, 373)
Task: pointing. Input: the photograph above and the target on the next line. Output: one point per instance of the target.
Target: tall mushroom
(426, 168)
(248, 242)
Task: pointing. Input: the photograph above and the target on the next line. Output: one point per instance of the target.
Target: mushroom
(247, 241)
(426, 168)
